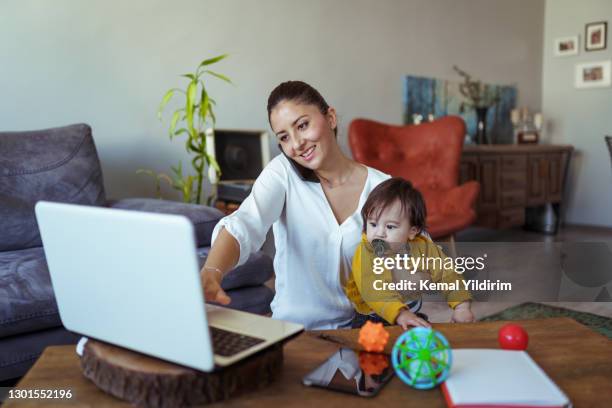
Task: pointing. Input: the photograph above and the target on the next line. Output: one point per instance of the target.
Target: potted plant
(192, 121)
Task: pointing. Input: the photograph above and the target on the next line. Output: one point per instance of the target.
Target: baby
(393, 223)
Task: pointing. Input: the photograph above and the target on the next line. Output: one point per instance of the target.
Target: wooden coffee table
(576, 358)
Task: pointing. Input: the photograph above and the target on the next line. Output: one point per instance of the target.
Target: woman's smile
(308, 155)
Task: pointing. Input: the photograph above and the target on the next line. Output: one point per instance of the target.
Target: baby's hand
(462, 313)
(406, 319)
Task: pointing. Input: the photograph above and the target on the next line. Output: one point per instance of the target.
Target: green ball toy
(422, 358)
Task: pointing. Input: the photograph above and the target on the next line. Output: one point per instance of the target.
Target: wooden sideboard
(513, 177)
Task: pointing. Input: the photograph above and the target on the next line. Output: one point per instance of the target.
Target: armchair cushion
(202, 217)
(450, 210)
(59, 164)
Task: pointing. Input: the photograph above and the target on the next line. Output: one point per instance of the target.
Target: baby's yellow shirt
(389, 303)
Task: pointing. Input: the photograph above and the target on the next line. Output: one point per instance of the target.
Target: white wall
(109, 62)
(579, 117)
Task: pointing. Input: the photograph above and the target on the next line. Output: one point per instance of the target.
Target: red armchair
(428, 155)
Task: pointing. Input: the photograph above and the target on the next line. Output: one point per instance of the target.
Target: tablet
(358, 373)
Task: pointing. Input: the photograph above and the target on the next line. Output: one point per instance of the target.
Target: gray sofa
(61, 164)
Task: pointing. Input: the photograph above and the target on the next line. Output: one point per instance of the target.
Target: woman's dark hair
(396, 188)
(299, 92)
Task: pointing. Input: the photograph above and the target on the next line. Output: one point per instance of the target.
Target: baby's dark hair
(396, 188)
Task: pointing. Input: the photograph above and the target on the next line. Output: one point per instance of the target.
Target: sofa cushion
(27, 301)
(59, 164)
(18, 228)
(19, 353)
(255, 271)
(202, 217)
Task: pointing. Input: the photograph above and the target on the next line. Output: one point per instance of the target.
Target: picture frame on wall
(566, 46)
(593, 74)
(595, 36)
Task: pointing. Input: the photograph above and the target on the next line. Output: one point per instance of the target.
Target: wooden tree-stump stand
(147, 381)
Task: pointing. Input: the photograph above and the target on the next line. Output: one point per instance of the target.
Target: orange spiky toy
(373, 363)
(373, 337)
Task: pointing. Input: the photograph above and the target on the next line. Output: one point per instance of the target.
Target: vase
(481, 125)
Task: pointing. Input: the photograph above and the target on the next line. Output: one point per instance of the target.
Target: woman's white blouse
(313, 253)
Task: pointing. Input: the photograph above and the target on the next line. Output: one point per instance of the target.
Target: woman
(311, 196)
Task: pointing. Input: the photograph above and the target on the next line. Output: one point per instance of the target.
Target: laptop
(132, 279)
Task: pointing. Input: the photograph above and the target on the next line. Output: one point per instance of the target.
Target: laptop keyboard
(227, 343)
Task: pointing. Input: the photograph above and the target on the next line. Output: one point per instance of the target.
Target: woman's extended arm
(243, 232)
(222, 257)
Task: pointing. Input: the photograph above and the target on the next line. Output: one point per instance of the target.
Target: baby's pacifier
(380, 247)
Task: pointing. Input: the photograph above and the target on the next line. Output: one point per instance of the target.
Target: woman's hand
(211, 281)
(462, 313)
(406, 319)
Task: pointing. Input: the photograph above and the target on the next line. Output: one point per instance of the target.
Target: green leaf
(213, 162)
(220, 76)
(191, 94)
(164, 102)
(180, 131)
(212, 60)
(193, 146)
(175, 118)
(187, 189)
(165, 177)
(204, 104)
(198, 163)
(202, 144)
(212, 114)
(145, 171)
(190, 76)
(178, 170)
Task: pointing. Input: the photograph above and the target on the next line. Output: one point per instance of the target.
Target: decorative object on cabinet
(514, 177)
(480, 97)
(527, 126)
(593, 74)
(595, 36)
(439, 97)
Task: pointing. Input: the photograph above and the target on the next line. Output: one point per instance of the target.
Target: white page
(490, 376)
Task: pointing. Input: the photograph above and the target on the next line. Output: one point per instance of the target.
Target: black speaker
(241, 154)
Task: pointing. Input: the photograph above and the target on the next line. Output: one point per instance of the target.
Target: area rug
(526, 311)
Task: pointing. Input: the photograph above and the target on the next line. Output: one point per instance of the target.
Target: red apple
(513, 337)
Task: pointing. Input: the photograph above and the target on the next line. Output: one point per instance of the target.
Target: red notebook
(501, 379)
